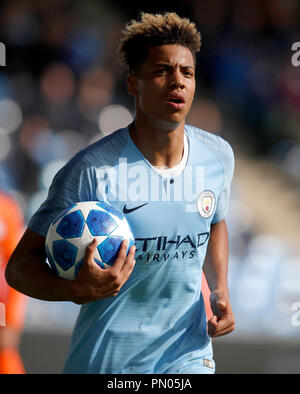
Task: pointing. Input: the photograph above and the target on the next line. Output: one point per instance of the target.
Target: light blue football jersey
(157, 322)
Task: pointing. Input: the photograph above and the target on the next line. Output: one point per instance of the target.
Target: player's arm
(216, 271)
(28, 273)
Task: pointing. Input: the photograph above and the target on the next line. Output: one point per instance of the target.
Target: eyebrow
(168, 65)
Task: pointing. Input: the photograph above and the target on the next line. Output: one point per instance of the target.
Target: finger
(224, 332)
(127, 274)
(219, 327)
(227, 330)
(213, 321)
(222, 308)
(129, 262)
(120, 260)
(219, 307)
(221, 304)
(212, 325)
(89, 251)
(225, 322)
(128, 265)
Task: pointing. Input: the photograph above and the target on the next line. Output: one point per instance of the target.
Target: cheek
(193, 88)
(192, 91)
(148, 94)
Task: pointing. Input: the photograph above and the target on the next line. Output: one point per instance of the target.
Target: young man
(146, 314)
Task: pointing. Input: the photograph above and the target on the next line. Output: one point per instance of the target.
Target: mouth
(176, 101)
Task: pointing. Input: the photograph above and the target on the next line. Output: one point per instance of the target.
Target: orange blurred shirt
(11, 229)
(12, 303)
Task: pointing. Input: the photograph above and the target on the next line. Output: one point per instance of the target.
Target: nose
(176, 79)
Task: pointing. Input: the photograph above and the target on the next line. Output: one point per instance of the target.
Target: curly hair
(154, 30)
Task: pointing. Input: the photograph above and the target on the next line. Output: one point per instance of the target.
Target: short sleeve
(226, 157)
(73, 183)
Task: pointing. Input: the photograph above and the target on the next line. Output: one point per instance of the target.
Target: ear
(132, 84)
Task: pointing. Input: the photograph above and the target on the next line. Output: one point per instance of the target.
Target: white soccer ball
(75, 228)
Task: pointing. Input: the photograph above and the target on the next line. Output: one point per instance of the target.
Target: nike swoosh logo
(128, 210)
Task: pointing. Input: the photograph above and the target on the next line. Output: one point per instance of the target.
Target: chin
(167, 124)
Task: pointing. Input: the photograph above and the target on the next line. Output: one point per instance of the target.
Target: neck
(162, 144)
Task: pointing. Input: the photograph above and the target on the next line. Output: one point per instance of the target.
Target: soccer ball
(75, 228)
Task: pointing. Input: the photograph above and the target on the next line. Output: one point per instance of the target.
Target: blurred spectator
(95, 91)
(13, 303)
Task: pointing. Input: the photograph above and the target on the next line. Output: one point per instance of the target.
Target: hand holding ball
(76, 227)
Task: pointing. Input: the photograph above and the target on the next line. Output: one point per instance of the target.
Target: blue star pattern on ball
(75, 228)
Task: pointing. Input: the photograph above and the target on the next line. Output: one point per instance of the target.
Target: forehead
(170, 53)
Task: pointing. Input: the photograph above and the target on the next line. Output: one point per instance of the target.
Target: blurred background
(63, 87)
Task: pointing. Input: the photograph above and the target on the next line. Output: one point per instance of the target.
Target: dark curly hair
(153, 30)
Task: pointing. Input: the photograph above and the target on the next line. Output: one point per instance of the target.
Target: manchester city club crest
(206, 203)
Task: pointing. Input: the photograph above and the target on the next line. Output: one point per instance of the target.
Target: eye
(160, 71)
(188, 73)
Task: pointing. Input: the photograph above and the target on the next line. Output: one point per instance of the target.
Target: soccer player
(146, 313)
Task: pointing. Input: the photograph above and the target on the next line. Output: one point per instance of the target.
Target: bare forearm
(216, 263)
(38, 282)
(28, 273)
(216, 269)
